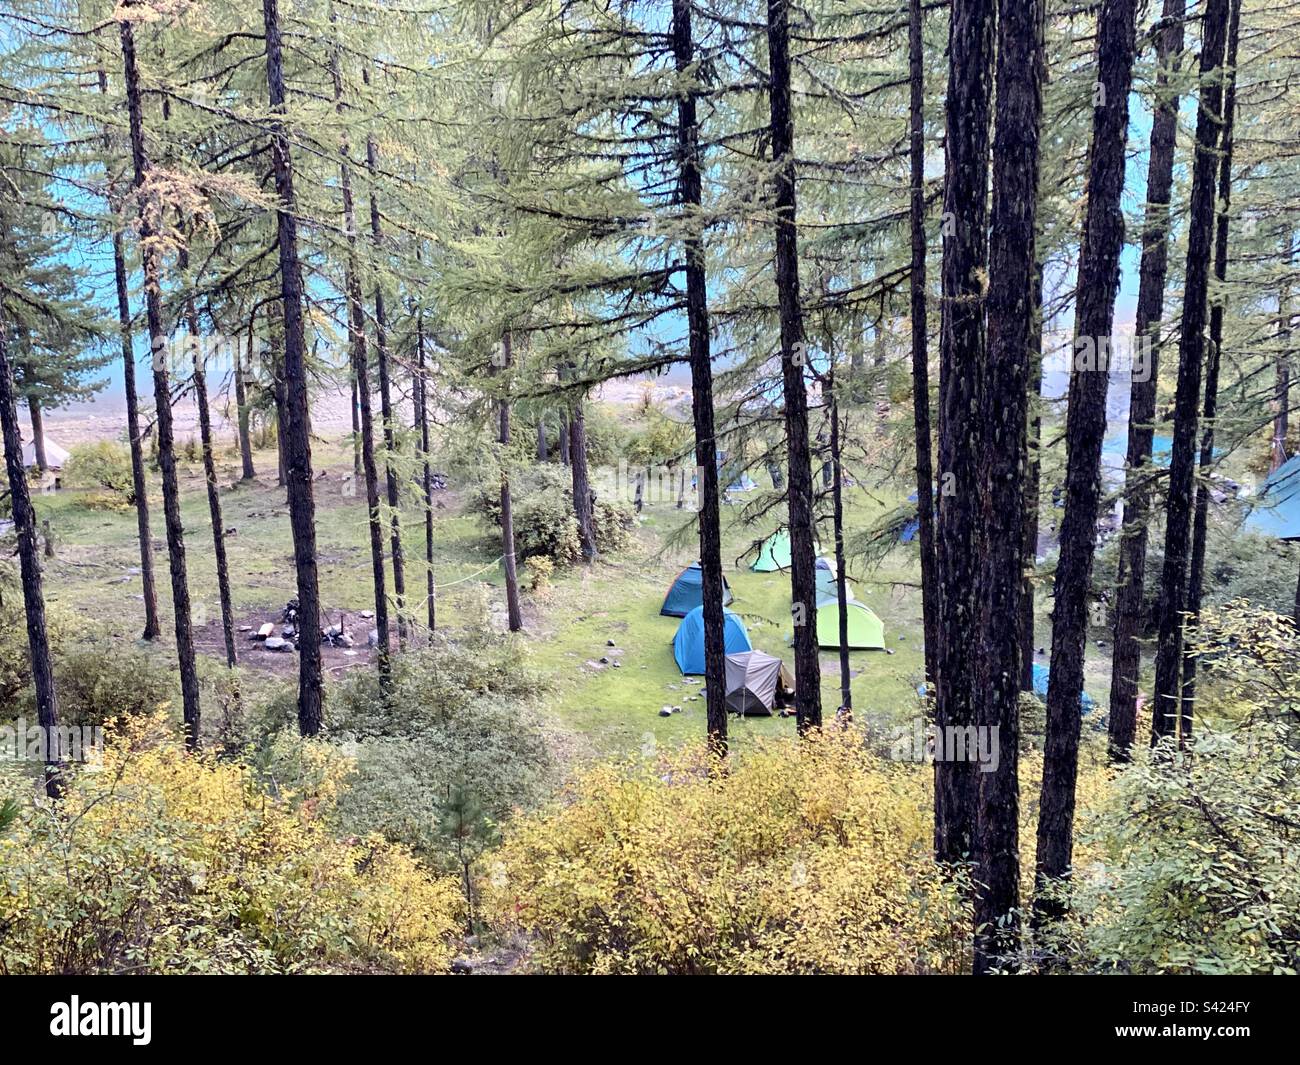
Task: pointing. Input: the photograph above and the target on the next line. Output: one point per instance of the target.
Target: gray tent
(752, 682)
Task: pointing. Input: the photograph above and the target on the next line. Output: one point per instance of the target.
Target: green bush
(104, 467)
(98, 682)
(545, 525)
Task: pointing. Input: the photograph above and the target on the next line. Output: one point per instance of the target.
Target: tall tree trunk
(37, 417)
(1191, 351)
(386, 402)
(1282, 387)
(965, 266)
(1200, 520)
(1126, 663)
(799, 492)
(360, 365)
(920, 343)
(139, 483)
(1098, 283)
(1004, 426)
(1033, 477)
(543, 452)
(582, 503)
(689, 185)
(38, 643)
(200, 379)
(565, 433)
(514, 615)
(841, 562)
(243, 365)
(422, 387)
(152, 267)
(296, 429)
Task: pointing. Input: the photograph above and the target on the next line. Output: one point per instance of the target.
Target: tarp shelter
(1042, 675)
(1276, 510)
(752, 682)
(55, 457)
(688, 644)
(912, 527)
(743, 483)
(866, 630)
(687, 592)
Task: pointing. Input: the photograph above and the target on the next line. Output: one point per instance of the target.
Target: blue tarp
(1041, 676)
(688, 644)
(687, 592)
(1275, 511)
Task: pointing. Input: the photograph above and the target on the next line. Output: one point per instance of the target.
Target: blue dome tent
(687, 592)
(688, 644)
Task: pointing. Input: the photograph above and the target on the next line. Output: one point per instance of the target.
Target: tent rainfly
(754, 683)
(688, 644)
(774, 553)
(866, 630)
(55, 457)
(687, 592)
(1277, 513)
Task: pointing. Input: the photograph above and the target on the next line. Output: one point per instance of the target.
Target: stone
(274, 643)
(367, 614)
(610, 643)
(372, 641)
(667, 711)
(288, 632)
(265, 631)
(604, 661)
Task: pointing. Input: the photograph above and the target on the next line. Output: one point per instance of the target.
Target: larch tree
(1003, 424)
(1166, 708)
(1098, 285)
(1130, 580)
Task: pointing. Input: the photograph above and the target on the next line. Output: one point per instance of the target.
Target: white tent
(55, 456)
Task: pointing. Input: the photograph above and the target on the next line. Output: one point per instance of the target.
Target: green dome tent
(866, 630)
(773, 554)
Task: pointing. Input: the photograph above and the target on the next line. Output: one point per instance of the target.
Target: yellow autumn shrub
(803, 857)
(167, 862)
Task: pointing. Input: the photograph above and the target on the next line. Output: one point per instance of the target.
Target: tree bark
(386, 403)
(920, 343)
(1004, 427)
(422, 387)
(152, 269)
(1033, 477)
(799, 493)
(965, 265)
(514, 615)
(139, 482)
(360, 365)
(1200, 520)
(543, 452)
(37, 417)
(1098, 283)
(1126, 663)
(38, 644)
(243, 363)
(1166, 710)
(296, 430)
(582, 502)
(689, 183)
(200, 379)
(841, 575)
